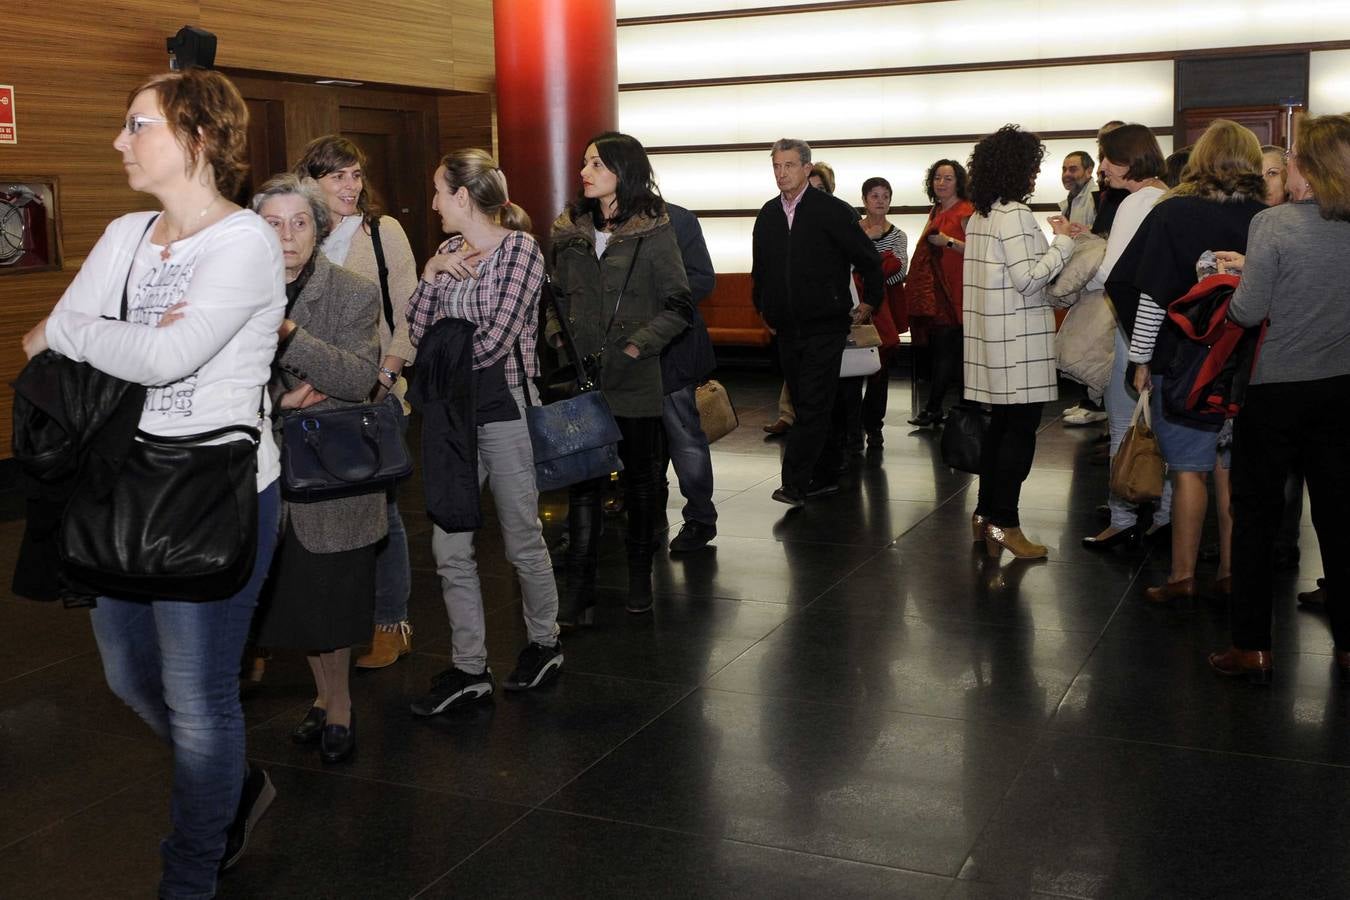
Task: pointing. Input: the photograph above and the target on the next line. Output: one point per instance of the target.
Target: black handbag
(963, 437)
(342, 452)
(179, 520)
(574, 439)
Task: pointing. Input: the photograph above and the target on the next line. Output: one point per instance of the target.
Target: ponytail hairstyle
(476, 171)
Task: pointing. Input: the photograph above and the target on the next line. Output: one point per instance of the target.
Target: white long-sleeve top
(206, 370)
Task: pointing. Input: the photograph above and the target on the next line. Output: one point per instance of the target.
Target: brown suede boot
(997, 539)
(387, 644)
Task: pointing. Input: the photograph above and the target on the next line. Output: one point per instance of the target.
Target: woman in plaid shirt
(500, 297)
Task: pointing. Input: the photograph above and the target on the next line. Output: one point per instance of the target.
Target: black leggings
(945, 348)
(1005, 460)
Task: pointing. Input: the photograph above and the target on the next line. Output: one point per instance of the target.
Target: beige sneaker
(387, 644)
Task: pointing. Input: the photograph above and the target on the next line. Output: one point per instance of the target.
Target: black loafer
(927, 419)
(1126, 536)
(310, 727)
(338, 742)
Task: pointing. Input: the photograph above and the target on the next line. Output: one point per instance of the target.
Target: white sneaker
(1072, 411)
(1085, 417)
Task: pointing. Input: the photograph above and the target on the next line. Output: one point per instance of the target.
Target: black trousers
(946, 346)
(811, 369)
(878, 386)
(642, 451)
(1005, 460)
(1283, 425)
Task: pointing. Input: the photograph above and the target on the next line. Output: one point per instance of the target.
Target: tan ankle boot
(387, 644)
(997, 539)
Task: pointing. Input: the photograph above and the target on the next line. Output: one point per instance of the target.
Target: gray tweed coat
(336, 348)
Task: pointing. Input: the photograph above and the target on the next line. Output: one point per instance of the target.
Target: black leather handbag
(574, 439)
(179, 522)
(341, 452)
(963, 437)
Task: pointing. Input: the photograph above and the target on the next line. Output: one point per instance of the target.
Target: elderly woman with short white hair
(323, 583)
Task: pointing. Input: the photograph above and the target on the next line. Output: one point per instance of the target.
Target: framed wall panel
(968, 31)
(1329, 82)
(744, 179)
(1063, 98)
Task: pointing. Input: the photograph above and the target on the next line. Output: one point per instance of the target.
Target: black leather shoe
(693, 536)
(310, 727)
(1126, 537)
(926, 419)
(817, 489)
(790, 496)
(338, 742)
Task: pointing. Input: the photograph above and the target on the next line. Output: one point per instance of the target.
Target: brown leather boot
(997, 539)
(1254, 665)
(387, 644)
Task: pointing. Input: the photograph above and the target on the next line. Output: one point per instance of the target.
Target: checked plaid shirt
(503, 301)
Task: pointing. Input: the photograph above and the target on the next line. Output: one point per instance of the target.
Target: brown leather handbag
(1137, 469)
(716, 414)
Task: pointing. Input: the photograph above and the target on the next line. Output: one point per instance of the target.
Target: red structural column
(557, 86)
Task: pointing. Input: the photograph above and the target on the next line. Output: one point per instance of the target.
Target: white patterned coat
(1009, 320)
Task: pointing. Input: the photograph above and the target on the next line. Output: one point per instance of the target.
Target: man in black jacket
(806, 244)
(685, 363)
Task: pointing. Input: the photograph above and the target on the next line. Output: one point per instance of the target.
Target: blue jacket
(689, 358)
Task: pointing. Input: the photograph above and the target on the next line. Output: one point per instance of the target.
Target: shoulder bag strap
(569, 347)
(135, 248)
(383, 269)
(628, 276)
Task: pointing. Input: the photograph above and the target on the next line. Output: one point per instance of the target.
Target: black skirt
(318, 601)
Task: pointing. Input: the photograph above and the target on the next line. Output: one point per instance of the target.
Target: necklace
(189, 232)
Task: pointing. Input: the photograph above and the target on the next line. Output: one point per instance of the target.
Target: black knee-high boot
(641, 544)
(585, 521)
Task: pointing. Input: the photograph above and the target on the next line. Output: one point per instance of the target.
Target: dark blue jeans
(176, 663)
(687, 447)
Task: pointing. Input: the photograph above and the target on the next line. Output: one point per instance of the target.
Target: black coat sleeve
(698, 266)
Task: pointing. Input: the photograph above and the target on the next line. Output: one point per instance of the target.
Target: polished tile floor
(845, 701)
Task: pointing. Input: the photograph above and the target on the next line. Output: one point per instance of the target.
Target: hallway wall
(72, 64)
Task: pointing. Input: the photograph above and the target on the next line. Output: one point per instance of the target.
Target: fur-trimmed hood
(1232, 189)
(639, 225)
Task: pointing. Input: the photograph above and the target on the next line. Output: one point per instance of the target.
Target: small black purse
(342, 452)
(963, 437)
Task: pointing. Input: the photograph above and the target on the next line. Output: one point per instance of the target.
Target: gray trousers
(506, 460)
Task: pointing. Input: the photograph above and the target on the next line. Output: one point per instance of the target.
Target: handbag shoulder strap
(383, 268)
(569, 347)
(626, 278)
(122, 311)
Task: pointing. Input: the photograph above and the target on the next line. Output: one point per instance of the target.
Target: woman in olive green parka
(618, 275)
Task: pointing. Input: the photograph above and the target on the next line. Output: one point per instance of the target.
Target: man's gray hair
(782, 145)
(281, 185)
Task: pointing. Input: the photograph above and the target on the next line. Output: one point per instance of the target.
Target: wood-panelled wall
(76, 62)
(468, 120)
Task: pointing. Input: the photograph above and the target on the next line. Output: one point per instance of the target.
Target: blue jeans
(687, 447)
(176, 663)
(393, 572)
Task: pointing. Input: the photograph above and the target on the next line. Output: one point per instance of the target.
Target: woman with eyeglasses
(214, 271)
(322, 590)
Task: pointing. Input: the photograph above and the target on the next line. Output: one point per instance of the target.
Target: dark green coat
(656, 305)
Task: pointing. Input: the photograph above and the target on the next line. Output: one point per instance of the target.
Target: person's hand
(1142, 378)
(460, 265)
(862, 314)
(379, 393)
(1230, 262)
(171, 315)
(1075, 229)
(1060, 226)
(938, 239)
(300, 398)
(35, 341)
(632, 350)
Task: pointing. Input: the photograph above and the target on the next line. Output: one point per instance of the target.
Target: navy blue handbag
(575, 439)
(342, 452)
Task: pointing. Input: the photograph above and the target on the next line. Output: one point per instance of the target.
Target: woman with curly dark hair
(934, 288)
(1010, 334)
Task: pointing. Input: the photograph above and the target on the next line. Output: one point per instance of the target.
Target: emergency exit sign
(9, 129)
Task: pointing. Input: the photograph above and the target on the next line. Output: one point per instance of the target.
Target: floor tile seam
(57, 662)
(607, 676)
(79, 812)
(1037, 730)
(472, 853)
(1051, 732)
(685, 695)
(794, 851)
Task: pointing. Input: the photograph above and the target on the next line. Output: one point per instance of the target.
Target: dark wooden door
(400, 157)
(1268, 123)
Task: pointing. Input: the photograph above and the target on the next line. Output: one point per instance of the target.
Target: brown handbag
(1137, 469)
(716, 414)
